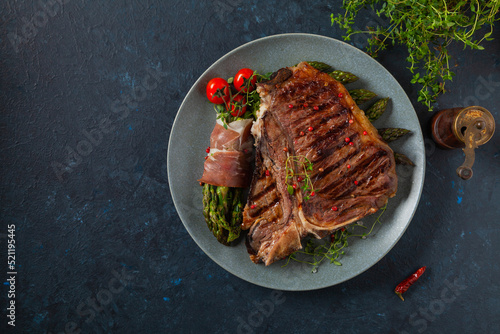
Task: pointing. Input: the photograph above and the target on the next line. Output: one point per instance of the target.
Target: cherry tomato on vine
(218, 91)
(238, 106)
(244, 79)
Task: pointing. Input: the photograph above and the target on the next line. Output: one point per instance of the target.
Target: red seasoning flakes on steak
(307, 114)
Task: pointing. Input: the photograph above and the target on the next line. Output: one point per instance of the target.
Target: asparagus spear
(343, 76)
(236, 216)
(228, 203)
(391, 134)
(402, 159)
(212, 204)
(206, 204)
(361, 96)
(377, 109)
(219, 232)
(320, 66)
(222, 204)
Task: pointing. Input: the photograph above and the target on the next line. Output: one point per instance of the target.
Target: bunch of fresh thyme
(426, 28)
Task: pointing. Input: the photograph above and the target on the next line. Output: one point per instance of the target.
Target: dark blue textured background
(100, 247)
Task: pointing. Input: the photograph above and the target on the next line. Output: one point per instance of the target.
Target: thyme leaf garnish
(304, 166)
(331, 249)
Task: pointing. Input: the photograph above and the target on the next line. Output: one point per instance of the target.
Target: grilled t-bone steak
(305, 113)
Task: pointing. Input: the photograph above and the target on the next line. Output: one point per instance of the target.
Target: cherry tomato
(218, 91)
(238, 106)
(242, 78)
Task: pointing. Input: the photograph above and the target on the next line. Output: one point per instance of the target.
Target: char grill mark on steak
(272, 224)
(333, 139)
(353, 174)
(261, 210)
(275, 219)
(264, 191)
(363, 171)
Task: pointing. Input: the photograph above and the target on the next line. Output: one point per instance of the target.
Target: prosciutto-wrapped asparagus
(227, 169)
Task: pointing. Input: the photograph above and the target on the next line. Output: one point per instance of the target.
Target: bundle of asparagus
(226, 172)
(222, 208)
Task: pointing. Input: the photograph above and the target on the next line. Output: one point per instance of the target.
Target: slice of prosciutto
(229, 160)
(354, 169)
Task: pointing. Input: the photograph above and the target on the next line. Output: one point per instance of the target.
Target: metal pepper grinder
(465, 128)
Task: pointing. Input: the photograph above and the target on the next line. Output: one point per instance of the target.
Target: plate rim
(193, 87)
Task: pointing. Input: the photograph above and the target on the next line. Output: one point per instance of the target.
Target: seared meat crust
(307, 114)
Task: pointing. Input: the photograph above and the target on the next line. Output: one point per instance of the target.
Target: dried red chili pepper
(403, 286)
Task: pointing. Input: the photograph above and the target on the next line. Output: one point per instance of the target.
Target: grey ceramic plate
(194, 123)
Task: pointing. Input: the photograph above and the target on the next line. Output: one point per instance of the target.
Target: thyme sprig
(316, 252)
(426, 28)
(305, 166)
